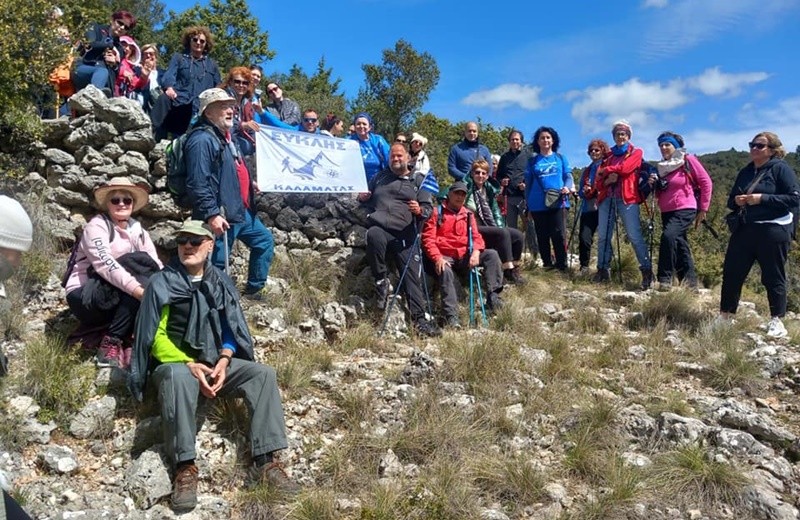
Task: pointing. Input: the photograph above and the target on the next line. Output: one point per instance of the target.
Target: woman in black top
(764, 202)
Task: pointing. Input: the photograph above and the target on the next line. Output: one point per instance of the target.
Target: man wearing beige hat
(192, 334)
(223, 190)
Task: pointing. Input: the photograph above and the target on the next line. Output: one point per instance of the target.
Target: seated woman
(101, 51)
(482, 201)
(239, 85)
(112, 263)
(151, 90)
(129, 77)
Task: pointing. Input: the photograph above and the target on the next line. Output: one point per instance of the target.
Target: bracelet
(224, 356)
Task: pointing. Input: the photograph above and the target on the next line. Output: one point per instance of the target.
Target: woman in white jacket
(421, 162)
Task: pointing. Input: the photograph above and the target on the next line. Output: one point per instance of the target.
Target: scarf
(621, 150)
(673, 163)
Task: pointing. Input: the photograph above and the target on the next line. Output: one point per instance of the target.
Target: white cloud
(658, 4)
(714, 82)
(505, 95)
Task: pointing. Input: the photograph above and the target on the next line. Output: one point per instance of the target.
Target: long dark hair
(553, 134)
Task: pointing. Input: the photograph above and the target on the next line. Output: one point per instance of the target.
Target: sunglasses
(199, 40)
(310, 119)
(125, 200)
(758, 146)
(273, 89)
(241, 83)
(402, 141)
(591, 150)
(122, 25)
(195, 241)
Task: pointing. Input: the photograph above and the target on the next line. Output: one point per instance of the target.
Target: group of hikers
(180, 326)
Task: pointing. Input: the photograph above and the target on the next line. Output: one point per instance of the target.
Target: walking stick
(422, 271)
(572, 233)
(226, 252)
(619, 247)
(399, 284)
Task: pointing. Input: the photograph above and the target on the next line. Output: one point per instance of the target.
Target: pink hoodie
(95, 250)
(680, 190)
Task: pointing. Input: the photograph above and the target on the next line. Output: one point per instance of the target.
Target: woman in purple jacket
(683, 191)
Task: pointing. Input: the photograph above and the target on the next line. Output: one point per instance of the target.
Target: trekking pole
(480, 294)
(471, 290)
(651, 227)
(226, 251)
(710, 230)
(399, 285)
(422, 273)
(619, 247)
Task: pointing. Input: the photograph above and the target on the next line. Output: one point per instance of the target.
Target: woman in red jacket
(617, 186)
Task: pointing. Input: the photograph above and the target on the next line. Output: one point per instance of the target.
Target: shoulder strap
(689, 173)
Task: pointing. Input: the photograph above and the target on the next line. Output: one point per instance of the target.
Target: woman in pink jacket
(683, 190)
(112, 263)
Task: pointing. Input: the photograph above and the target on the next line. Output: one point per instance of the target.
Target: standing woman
(617, 185)
(189, 73)
(101, 287)
(679, 177)
(374, 148)
(597, 150)
(762, 201)
(548, 183)
(417, 150)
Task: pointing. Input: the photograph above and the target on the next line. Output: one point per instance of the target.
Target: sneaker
(381, 294)
(775, 328)
(184, 490)
(584, 270)
(664, 287)
(452, 322)
(493, 302)
(723, 320)
(258, 294)
(108, 353)
(647, 279)
(125, 354)
(273, 475)
(602, 276)
(427, 328)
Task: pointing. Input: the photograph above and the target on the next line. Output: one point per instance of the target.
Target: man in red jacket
(446, 242)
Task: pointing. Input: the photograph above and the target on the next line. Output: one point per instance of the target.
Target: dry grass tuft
(514, 481)
(680, 309)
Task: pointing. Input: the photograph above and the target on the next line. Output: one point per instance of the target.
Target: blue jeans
(258, 238)
(629, 213)
(97, 75)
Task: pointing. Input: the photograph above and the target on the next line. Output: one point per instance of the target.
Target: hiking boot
(493, 302)
(664, 287)
(381, 294)
(514, 277)
(184, 489)
(602, 276)
(257, 294)
(273, 475)
(108, 353)
(776, 329)
(427, 328)
(452, 322)
(647, 279)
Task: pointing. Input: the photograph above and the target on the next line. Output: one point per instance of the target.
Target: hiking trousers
(258, 238)
(551, 230)
(506, 241)
(492, 272)
(120, 320)
(674, 254)
(515, 208)
(380, 243)
(588, 226)
(179, 395)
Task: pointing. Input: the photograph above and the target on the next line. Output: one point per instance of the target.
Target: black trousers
(551, 231)
(514, 210)
(507, 242)
(169, 118)
(767, 244)
(404, 249)
(674, 254)
(120, 320)
(588, 227)
(492, 272)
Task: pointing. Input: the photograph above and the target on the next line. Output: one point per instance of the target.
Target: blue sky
(715, 71)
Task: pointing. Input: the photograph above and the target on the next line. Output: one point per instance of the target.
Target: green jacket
(492, 189)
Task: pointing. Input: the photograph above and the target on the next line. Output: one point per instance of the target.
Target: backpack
(176, 167)
(73, 255)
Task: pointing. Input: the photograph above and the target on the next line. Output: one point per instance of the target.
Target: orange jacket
(627, 166)
(450, 238)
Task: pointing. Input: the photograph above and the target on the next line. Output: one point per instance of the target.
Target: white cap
(16, 229)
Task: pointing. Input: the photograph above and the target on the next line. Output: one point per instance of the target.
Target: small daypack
(176, 167)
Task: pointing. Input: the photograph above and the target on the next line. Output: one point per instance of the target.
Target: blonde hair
(774, 143)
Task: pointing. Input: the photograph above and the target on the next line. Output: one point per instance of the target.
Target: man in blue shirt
(464, 153)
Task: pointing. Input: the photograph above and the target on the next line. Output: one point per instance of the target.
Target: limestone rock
(147, 478)
(60, 157)
(95, 420)
(135, 163)
(94, 134)
(59, 459)
(123, 114)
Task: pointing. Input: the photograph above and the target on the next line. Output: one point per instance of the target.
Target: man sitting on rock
(193, 335)
(446, 242)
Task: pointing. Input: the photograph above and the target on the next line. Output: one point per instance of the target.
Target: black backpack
(176, 166)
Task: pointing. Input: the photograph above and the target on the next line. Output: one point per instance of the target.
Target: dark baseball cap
(457, 186)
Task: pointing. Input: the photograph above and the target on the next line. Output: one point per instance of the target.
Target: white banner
(289, 161)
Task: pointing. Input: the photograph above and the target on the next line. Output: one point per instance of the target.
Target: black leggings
(506, 241)
(550, 230)
(120, 320)
(589, 221)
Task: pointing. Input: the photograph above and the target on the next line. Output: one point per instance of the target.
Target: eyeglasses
(125, 200)
(592, 150)
(759, 146)
(480, 172)
(402, 141)
(309, 119)
(195, 241)
(122, 25)
(621, 132)
(199, 40)
(241, 83)
(272, 89)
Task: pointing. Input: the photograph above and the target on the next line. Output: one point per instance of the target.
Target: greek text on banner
(290, 162)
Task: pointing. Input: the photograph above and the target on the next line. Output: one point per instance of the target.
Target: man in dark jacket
(223, 191)
(463, 153)
(398, 207)
(511, 174)
(192, 331)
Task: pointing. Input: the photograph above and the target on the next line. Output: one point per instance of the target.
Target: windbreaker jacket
(627, 167)
(450, 239)
(388, 205)
(679, 193)
(215, 299)
(778, 187)
(286, 111)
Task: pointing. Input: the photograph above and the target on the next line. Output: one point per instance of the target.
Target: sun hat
(417, 137)
(213, 95)
(195, 227)
(140, 194)
(16, 229)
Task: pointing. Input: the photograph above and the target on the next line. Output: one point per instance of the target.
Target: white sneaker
(775, 328)
(723, 321)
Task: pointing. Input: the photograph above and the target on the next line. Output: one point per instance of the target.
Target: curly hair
(774, 143)
(553, 134)
(194, 30)
(244, 72)
(601, 144)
